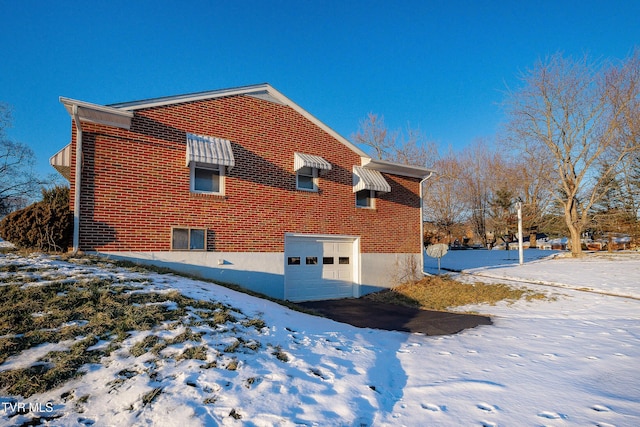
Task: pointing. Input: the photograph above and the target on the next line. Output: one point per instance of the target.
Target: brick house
(243, 186)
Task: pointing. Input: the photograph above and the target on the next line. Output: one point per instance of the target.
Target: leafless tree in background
(409, 147)
(18, 183)
(582, 116)
(444, 205)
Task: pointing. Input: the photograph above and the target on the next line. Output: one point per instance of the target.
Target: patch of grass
(58, 367)
(144, 346)
(443, 292)
(187, 335)
(233, 347)
(232, 365)
(255, 323)
(198, 353)
(106, 308)
(148, 398)
(241, 344)
(280, 354)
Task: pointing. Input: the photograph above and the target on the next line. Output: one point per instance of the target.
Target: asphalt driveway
(365, 313)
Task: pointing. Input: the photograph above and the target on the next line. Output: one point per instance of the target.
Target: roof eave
(94, 113)
(262, 91)
(397, 168)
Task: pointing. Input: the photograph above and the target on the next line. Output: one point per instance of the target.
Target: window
(188, 239)
(343, 260)
(327, 260)
(207, 178)
(307, 179)
(293, 260)
(312, 260)
(365, 198)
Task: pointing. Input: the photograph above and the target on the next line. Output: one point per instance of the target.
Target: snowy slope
(571, 361)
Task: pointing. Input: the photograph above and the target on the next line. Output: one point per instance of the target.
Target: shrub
(46, 225)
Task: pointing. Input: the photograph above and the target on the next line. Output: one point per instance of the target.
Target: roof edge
(190, 97)
(396, 168)
(95, 113)
(257, 90)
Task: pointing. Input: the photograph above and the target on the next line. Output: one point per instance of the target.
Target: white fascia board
(345, 237)
(191, 97)
(396, 168)
(317, 122)
(263, 91)
(99, 114)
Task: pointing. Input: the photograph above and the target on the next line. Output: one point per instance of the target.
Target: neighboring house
(243, 186)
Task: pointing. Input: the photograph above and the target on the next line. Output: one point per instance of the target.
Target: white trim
(120, 115)
(263, 91)
(396, 168)
(192, 178)
(323, 236)
(93, 113)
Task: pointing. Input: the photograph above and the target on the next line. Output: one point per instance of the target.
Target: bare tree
(480, 168)
(444, 205)
(17, 180)
(583, 116)
(374, 134)
(410, 147)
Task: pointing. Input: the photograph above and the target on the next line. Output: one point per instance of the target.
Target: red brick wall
(136, 186)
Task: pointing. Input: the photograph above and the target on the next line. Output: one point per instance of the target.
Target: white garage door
(319, 267)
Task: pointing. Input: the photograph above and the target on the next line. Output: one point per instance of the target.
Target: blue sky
(441, 66)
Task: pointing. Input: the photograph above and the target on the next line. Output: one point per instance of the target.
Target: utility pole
(520, 248)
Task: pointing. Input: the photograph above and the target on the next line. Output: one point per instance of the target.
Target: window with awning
(209, 150)
(301, 160)
(208, 157)
(369, 179)
(307, 168)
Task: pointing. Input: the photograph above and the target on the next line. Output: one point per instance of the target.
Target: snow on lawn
(571, 360)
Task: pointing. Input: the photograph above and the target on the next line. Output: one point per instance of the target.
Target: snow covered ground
(570, 361)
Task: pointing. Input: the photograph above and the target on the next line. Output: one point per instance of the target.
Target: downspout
(422, 223)
(78, 181)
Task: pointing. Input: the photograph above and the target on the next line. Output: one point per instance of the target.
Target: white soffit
(369, 179)
(209, 150)
(396, 168)
(99, 114)
(301, 160)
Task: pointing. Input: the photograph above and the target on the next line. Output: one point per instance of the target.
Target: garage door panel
(323, 268)
(334, 289)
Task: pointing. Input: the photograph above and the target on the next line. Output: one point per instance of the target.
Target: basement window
(188, 239)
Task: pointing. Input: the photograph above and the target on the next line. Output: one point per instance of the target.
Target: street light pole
(520, 248)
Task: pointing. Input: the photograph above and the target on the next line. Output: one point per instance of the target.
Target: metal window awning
(209, 150)
(61, 161)
(301, 160)
(369, 179)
